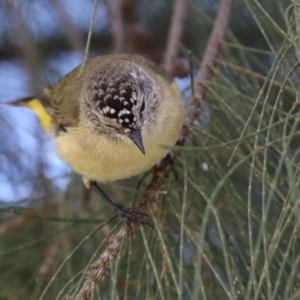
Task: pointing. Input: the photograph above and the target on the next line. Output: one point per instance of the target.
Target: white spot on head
(122, 112)
(112, 111)
(127, 120)
(106, 109)
(134, 75)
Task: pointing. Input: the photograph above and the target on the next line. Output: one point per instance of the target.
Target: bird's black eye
(143, 106)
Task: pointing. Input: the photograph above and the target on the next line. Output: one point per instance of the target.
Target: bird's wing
(62, 99)
(57, 106)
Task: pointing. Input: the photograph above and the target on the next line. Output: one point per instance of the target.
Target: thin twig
(101, 267)
(175, 33)
(88, 42)
(251, 73)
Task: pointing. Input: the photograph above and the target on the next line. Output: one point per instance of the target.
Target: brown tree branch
(12, 224)
(25, 46)
(100, 267)
(175, 33)
(51, 254)
(207, 69)
(73, 35)
(117, 24)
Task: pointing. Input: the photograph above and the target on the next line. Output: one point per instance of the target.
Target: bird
(113, 118)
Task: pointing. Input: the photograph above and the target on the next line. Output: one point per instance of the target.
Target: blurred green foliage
(227, 224)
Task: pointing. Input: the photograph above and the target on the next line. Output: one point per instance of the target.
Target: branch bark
(117, 23)
(175, 33)
(206, 73)
(209, 62)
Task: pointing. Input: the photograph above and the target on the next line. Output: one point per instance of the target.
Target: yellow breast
(98, 158)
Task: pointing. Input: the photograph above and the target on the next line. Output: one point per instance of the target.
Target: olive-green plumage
(117, 119)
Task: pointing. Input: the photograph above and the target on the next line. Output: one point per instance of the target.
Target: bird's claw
(130, 215)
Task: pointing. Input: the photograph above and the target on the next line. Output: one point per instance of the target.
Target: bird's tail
(34, 104)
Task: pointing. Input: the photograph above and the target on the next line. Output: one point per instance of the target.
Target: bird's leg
(126, 214)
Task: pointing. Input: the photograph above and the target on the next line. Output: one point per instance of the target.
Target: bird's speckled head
(121, 98)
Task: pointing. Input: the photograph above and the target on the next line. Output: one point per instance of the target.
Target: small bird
(116, 119)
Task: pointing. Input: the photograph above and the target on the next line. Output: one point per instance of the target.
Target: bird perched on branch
(116, 118)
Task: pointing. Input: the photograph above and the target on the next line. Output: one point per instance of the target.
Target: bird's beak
(136, 136)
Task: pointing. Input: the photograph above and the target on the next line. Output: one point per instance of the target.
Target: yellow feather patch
(45, 119)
